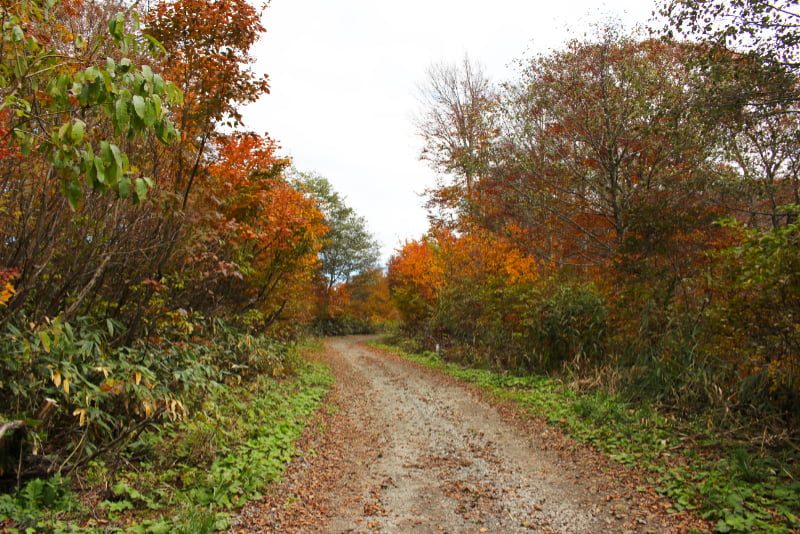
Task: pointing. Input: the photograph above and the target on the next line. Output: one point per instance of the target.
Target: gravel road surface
(405, 449)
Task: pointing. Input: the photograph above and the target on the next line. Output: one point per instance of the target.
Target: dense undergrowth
(168, 436)
(734, 475)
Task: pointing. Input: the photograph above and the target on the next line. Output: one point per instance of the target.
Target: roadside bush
(567, 322)
(83, 395)
(343, 326)
(753, 317)
(673, 370)
(91, 391)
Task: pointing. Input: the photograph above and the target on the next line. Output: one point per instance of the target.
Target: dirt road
(407, 450)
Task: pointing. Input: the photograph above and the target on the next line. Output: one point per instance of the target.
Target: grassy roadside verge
(185, 476)
(738, 485)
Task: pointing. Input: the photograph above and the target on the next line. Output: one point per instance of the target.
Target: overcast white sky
(344, 77)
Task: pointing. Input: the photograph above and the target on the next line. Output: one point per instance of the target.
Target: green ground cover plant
(190, 473)
(719, 472)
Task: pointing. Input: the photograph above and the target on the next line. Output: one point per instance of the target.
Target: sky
(345, 78)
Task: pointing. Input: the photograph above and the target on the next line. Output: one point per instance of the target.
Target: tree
(261, 235)
(456, 127)
(208, 44)
(370, 299)
(594, 141)
(751, 94)
(348, 249)
(769, 30)
(75, 101)
(48, 74)
(416, 277)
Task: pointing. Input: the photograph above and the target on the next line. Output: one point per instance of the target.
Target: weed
(36, 501)
(192, 471)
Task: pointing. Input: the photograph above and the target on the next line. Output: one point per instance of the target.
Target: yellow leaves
(112, 386)
(148, 408)
(55, 376)
(60, 380)
(176, 409)
(82, 414)
(7, 290)
(6, 293)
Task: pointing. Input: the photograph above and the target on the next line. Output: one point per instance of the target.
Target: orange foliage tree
(271, 228)
(222, 230)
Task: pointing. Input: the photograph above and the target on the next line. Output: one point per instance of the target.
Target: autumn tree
(598, 138)
(74, 104)
(750, 66)
(416, 277)
(349, 251)
(768, 30)
(751, 60)
(370, 299)
(208, 44)
(456, 126)
(598, 165)
(257, 239)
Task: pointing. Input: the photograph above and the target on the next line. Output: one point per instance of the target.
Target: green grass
(738, 487)
(189, 475)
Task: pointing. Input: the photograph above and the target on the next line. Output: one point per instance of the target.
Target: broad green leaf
(107, 80)
(84, 95)
(63, 132)
(121, 117)
(118, 158)
(147, 73)
(78, 128)
(154, 45)
(159, 86)
(45, 339)
(157, 106)
(174, 94)
(116, 26)
(141, 188)
(105, 151)
(100, 171)
(124, 187)
(138, 106)
(91, 176)
(150, 114)
(136, 23)
(161, 132)
(17, 34)
(74, 194)
(91, 73)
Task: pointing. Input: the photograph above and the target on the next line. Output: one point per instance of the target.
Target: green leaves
(116, 28)
(138, 106)
(17, 35)
(133, 98)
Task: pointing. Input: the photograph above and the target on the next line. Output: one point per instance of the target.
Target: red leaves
(209, 43)
(260, 233)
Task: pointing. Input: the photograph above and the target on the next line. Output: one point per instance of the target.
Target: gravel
(406, 449)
